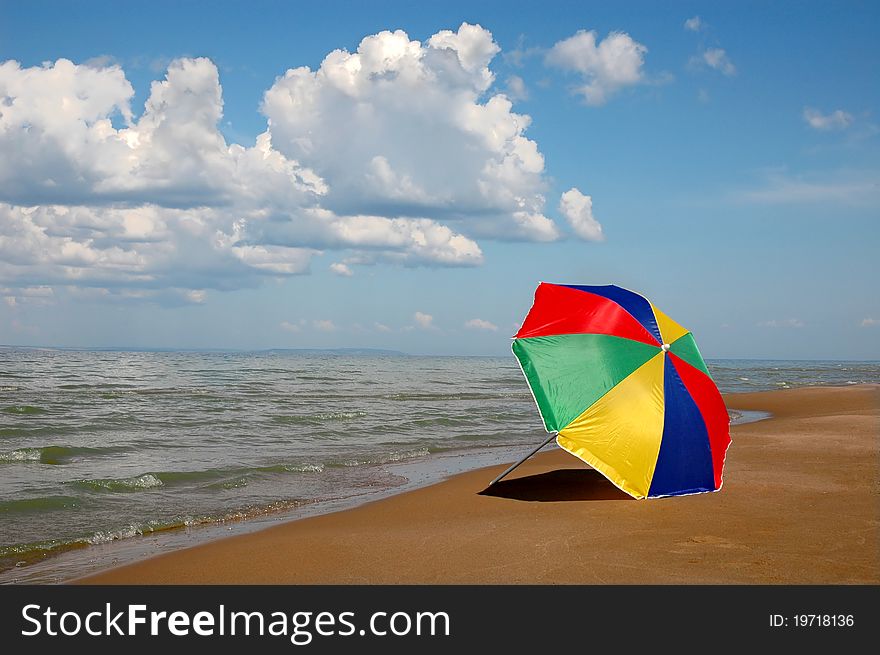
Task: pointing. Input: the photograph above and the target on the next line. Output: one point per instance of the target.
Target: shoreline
(799, 505)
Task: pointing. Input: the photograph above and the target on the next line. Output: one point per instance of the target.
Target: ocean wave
(145, 481)
(242, 480)
(22, 455)
(223, 478)
(231, 483)
(23, 554)
(96, 385)
(111, 392)
(18, 555)
(173, 478)
(382, 459)
(444, 396)
(56, 454)
(321, 417)
(24, 410)
(293, 468)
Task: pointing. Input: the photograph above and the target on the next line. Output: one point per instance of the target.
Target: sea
(111, 456)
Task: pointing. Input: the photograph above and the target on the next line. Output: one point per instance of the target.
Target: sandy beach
(799, 505)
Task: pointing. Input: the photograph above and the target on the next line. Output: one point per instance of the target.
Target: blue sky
(720, 159)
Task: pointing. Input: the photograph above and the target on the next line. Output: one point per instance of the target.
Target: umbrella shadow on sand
(555, 486)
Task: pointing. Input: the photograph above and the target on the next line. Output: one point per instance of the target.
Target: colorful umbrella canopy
(625, 388)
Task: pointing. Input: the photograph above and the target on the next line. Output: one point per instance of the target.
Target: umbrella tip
(665, 347)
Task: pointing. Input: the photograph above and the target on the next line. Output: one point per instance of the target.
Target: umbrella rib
(513, 466)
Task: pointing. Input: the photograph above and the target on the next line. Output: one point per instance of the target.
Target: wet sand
(800, 504)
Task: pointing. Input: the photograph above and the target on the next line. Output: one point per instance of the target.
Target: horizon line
(353, 350)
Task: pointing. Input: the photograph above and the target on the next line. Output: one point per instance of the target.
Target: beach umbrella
(623, 387)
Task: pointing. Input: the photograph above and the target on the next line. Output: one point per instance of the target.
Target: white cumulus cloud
(398, 128)
(424, 321)
(578, 211)
(716, 59)
(605, 65)
(836, 120)
(694, 24)
(480, 324)
(341, 269)
(396, 152)
(324, 325)
(870, 322)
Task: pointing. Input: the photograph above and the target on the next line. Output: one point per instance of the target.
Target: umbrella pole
(544, 443)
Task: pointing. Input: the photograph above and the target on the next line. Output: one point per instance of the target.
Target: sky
(402, 175)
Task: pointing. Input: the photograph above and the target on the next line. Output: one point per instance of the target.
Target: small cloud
(381, 327)
(425, 321)
(516, 88)
(101, 61)
(578, 211)
(785, 323)
(836, 120)
(605, 65)
(870, 322)
(291, 327)
(703, 96)
(10, 300)
(715, 58)
(325, 325)
(341, 269)
(694, 24)
(195, 296)
(480, 324)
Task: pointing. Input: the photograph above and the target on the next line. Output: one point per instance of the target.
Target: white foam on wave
(305, 468)
(145, 481)
(22, 455)
(392, 457)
